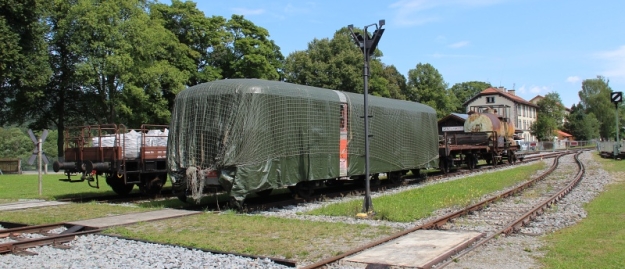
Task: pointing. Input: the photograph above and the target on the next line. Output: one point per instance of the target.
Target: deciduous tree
(550, 115)
(465, 90)
(426, 85)
(595, 98)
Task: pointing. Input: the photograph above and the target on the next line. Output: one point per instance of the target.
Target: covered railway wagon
(252, 136)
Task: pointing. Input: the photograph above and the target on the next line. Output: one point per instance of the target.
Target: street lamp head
(381, 23)
(350, 27)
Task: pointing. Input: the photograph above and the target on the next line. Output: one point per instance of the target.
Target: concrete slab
(418, 249)
(134, 218)
(28, 204)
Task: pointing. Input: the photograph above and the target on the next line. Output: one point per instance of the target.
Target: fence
(10, 166)
(531, 146)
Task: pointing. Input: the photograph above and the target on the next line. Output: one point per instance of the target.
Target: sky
(533, 46)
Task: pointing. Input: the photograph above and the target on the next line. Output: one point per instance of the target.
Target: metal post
(367, 204)
(39, 149)
(367, 45)
(617, 145)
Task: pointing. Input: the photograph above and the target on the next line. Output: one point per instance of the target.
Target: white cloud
(413, 12)
(573, 79)
(538, 89)
(247, 11)
(614, 62)
(534, 90)
(459, 44)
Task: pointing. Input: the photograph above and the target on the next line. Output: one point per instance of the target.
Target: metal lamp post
(368, 45)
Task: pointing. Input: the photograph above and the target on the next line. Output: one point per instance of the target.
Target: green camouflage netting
(267, 134)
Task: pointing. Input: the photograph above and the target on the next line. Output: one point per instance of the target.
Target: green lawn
(598, 241)
(422, 202)
(26, 186)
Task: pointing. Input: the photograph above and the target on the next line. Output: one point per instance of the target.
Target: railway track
(285, 199)
(509, 226)
(18, 240)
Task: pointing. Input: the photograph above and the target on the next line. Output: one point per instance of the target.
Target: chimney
(511, 92)
(501, 89)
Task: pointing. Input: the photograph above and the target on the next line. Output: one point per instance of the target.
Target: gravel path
(516, 251)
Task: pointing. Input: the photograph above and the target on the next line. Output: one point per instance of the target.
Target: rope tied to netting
(195, 182)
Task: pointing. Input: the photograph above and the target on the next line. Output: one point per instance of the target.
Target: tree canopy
(464, 91)
(595, 98)
(426, 85)
(582, 125)
(550, 114)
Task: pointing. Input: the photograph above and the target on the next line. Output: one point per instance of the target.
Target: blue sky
(535, 47)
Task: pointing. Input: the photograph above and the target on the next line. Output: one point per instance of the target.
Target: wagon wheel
(470, 160)
(395, 177)
(511, 157)
(118, 186)
(374, 180)
(183, 198)
(151, 184)
(442, 165)
(264, 193)
(303, 189)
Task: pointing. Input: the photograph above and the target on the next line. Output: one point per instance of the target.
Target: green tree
(328, 63)
(248, 52)
(15, 143)
(396, 85)
(550, 114)
(338, 64)
(465, 90)
(199, 33)
(426, 85)
(23, 57)
(595, 98)
(582, 125)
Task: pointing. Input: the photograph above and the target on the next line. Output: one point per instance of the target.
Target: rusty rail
(516, 225)
(439, 221)
(21, 244)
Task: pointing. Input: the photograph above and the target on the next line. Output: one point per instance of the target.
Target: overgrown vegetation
(598, 241)
(422, 202)
(256, 235)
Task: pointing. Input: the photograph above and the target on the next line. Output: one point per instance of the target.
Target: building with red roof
(521, 112)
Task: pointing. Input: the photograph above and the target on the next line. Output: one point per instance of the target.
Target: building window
(490, 100)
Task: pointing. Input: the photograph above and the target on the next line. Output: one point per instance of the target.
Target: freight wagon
(124, 157)
(252, 136)
(486, 134)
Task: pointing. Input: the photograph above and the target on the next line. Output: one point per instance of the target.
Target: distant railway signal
(616, 98)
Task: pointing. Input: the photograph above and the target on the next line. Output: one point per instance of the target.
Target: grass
(424, 201)
(256, 235)
(26, 186)
(598, 241)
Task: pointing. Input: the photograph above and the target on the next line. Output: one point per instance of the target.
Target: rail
(436, 223)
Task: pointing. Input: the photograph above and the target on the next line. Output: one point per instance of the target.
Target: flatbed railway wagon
(249, 136)
(487, 134)
(124, 157)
